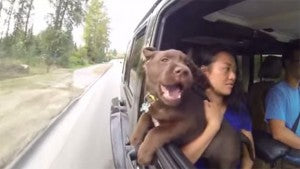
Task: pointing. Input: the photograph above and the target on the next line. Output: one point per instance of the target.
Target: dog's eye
(164, 59)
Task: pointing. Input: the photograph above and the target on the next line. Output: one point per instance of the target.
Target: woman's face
(221, 73)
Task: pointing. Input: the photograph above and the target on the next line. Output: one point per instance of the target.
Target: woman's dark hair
(206, 55)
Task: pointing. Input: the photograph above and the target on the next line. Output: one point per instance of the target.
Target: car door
(124, 110)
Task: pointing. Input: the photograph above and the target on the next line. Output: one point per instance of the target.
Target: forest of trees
(55, 44)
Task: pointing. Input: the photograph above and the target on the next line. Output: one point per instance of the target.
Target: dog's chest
(191, 119)
(155, 122)
(161, 114)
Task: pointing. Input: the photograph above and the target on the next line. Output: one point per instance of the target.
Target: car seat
(270, 71)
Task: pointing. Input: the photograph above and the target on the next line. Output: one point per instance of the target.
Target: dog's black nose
(180, 71)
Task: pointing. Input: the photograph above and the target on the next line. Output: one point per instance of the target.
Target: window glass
(134, 63)
(258, 60)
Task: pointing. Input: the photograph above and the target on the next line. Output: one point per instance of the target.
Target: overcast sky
(124, 16)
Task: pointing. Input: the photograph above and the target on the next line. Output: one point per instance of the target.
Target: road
(81, 138)
(84, 76)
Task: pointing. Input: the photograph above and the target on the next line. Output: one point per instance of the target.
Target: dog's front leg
(156, 138)
(142, 127)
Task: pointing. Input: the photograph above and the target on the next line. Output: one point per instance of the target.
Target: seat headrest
(270, 68)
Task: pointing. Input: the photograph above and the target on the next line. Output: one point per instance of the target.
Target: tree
(21, 43)
(96, 32)
(67, 13)
(9, 15)
(22, 16)
(57, 40)
(19, 17)
(30, 7)
(56, 46)
(1, 7)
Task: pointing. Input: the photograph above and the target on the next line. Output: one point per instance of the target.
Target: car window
(129, 46)
(258, 60)
(134, 62)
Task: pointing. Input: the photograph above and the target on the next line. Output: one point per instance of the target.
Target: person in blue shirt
(283, 99)
(225, 102)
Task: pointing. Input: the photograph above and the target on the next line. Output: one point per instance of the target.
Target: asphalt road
(81, 138)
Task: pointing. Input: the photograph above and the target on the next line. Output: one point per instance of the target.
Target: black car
(257, 30)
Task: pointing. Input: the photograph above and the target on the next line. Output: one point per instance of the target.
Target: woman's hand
(246, 162)
(214, 114)
(214, 117)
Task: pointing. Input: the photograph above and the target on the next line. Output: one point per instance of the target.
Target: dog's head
(168, 74)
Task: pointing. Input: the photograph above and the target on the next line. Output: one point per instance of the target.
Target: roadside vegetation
(37, 68)
(23, 52)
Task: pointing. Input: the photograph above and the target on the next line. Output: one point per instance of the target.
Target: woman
(219, 66)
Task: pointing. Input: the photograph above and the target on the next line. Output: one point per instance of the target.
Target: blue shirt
(283, 103)
(238, 120)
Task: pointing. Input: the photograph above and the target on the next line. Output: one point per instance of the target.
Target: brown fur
(183, 121)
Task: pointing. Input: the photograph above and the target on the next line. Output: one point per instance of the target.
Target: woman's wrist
(214, 126)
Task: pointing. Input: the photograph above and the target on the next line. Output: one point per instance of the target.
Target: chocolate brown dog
(171, 77)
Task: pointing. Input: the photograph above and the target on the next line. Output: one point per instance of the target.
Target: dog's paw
(135, 141)
(144, 160)
(145, 156)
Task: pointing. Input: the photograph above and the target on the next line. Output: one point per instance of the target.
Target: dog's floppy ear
(149, 52)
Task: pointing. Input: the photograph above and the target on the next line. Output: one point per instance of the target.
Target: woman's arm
(214, 117)
(246, 162)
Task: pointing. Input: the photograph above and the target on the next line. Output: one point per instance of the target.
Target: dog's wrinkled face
(167, 75)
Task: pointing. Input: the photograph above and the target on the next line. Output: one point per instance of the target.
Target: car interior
(258, 38)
